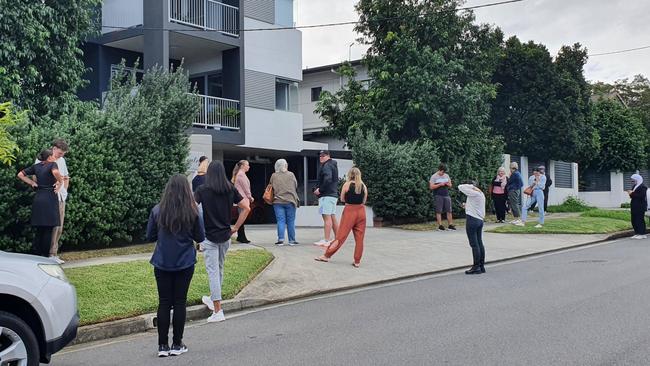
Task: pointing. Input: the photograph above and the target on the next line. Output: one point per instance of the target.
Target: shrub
(626, 205)
(571, 204)
(397, 175)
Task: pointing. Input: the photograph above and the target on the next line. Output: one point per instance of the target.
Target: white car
(38, 309)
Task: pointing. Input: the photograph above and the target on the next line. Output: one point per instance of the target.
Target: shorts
(327, 205)
(443, 204)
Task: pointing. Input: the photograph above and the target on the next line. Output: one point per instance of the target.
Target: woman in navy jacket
(175, 225)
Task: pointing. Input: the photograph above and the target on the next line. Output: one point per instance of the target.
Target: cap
(324, 152)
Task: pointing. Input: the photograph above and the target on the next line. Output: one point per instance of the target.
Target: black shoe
(474, 270)
(451, 227)
(279, 243)
(163, 350)
(178, 349)
(441, 228)
(482, 268)
(243, 241)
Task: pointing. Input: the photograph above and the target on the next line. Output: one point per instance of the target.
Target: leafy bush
(397, 175)
(626, 205)
(120, 159)
(571, 204)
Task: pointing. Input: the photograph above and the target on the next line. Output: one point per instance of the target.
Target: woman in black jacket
(638, 206)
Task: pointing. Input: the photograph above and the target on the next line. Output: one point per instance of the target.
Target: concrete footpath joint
(143, 323)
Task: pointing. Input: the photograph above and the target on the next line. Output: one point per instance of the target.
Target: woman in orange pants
(354, 193)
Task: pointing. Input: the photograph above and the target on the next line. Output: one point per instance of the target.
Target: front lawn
(115, 291)
(571, 225)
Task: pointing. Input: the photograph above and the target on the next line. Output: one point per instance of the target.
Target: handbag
(528, 191)
(268, 194)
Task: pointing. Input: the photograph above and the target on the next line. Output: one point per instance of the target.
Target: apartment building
(245, 68)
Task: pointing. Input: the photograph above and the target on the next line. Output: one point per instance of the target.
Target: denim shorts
(327, 205)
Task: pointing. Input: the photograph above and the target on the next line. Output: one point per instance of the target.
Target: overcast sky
(600, 25)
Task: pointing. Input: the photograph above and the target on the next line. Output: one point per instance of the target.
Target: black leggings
(42, 240)
(638, 222)
(172, 293)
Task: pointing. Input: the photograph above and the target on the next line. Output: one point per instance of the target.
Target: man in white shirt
(475, 214)
(59, 149)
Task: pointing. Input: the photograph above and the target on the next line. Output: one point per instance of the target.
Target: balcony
(218, 113)
(206, 14)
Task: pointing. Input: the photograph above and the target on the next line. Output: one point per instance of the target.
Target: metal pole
(305, 177)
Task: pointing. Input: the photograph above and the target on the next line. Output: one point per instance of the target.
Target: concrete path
(389, 253)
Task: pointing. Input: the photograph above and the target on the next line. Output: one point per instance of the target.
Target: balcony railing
(218, 113)
(206, 14)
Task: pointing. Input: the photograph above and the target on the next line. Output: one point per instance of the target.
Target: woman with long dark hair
(175, 225)
(45, 208)
(243, 185)
(217, 196)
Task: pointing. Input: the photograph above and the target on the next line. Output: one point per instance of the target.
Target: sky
(600, 25)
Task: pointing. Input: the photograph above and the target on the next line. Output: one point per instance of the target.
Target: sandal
(322, 259)
(356, 265)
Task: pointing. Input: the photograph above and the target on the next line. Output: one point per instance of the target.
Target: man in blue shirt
(515, 183)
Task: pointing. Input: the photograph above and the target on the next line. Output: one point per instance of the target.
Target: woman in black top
(638, 206)
(45, 208)
(354, 193)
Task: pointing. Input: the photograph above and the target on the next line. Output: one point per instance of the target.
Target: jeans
(285, 215)
(215, 257)
(172, 293)
(515, 202)
(538, 196)
(474, 229)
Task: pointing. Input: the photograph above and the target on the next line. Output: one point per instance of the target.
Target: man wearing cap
(327, 193)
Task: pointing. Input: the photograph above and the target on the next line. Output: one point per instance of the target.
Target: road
(580, 307)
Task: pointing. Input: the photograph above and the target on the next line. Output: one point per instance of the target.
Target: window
(595, 181)
(208, 84)
(563, 175)
(286, 95)
(315, 93)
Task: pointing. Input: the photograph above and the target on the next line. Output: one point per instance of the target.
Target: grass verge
(571, 225)
(116, 291)
(107, 252)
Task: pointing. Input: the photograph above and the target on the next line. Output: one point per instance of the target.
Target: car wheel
(18, 344)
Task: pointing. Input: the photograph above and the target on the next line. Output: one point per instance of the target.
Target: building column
(156, 40)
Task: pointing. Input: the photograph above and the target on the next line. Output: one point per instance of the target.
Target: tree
(624, 139)
(541, 105)
(40, 58)
(8, 119)
(430, 67)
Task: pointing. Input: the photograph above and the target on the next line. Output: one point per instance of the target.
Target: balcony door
(210, 84)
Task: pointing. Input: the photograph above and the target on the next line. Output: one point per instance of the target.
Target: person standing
(475, 212)
(217, 196)
(243, 185)
(45, 207)
(440, 184)
(327, 193)
(199, 178)
(285, 201)
(638, 206)
(59, 149)
(174, 224)
(513, 189)
(536, 182)
(355, 194)
(498, 191)
(547, 188)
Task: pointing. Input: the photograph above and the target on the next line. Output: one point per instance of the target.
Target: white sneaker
(539, 226)
(208, 302)
(520, 223)
(323, 242)
(643, 237)
(639, 237)
(515, 222)
(217, 317)
(59, 260)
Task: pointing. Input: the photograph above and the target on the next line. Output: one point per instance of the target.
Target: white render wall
(121, 13)
(275, 130)
(608, 199)
(273, 52)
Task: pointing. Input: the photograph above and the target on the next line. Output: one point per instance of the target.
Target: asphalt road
(581, 307)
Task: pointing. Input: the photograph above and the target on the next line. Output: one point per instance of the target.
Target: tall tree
(430, 67)
(40, 58)
(542, 106)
